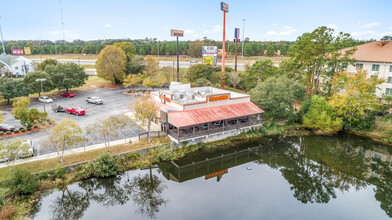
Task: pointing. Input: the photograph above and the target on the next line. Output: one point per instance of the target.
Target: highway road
(183, 64)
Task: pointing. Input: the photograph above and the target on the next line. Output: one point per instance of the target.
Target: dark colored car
(68, 94)
(5, 127)
(58, 108)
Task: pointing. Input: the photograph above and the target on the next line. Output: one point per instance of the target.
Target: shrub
(44, 175)
(16, 131)
(21, 182)
(28, 128)
(8, 132)
(105, 166)
(35, 126)
(60, 173)
(1, 132)
(22, 130)
(161, 154)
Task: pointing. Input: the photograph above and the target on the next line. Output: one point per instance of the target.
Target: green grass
(42, 165)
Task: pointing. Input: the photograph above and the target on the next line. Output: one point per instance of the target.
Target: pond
(310, 177)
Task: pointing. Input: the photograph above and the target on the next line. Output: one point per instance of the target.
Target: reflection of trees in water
(383, 190)
(316, 167)
(144, 190)
(70, 205)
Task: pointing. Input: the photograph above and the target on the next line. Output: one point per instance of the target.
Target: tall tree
(65, 135)
(66, 75)
(195, 49)
(317, 53)
(127, 47)
(270, 52)
(41, 66)
(260, 71)
(11, 150)
(106, 128)
(145, 111)
(151, 66)
(111, 64)
(28, 117)
(30, 80)
(13, 88)
(276, 97)
(354, 95)
(135, 65)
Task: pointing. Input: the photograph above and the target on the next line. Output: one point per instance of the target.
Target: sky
(265, 20)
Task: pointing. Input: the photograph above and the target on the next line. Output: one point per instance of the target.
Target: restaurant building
(203, 114)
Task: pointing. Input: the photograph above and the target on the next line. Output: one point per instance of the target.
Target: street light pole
(243, 39)
(42, 88)
(2, 41)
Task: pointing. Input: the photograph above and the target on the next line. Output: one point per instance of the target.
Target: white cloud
(189, 31)
(287, 30)
(217, 28)
(59, 35)
(372, 24)
(385, 34)
(108, 26)
(362, 33)
(195, 35)
(333, 26)
(274, 24)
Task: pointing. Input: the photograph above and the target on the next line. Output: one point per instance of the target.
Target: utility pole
(243, 39)
(158, 48)
(2, 41)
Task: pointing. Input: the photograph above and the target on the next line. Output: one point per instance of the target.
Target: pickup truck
(76, 111)
(94, 100)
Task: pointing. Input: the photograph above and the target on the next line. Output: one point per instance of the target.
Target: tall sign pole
(236, 39)
(224, 8)
(177, 33)
(2, 41)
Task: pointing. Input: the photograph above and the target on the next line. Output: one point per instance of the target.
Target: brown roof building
(376, 58)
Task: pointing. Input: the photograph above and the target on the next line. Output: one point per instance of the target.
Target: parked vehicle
(45, 99)
(58, 108)
(94, 100)
(5, 127)
(165, 85)
(22, 154)
(68, 94)
(76, 111)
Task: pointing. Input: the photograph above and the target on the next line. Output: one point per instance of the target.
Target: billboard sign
(27, 50)
(176, 33)
(236, 33)
(224, 7)
(210, 55)
(17, 51)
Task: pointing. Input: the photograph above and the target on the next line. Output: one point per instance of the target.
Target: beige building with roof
(375, 57)
(17, 65)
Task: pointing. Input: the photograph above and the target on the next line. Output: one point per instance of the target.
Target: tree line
(152, 46)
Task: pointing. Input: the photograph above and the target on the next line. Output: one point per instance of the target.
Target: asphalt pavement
(115, 103)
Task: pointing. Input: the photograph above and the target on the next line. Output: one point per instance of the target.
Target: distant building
(203, 114)
(375, 57)
(17, 65)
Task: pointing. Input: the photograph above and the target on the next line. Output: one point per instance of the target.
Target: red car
(68, 94)
(76, 111)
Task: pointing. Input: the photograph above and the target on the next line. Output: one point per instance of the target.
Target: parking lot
(115, 103)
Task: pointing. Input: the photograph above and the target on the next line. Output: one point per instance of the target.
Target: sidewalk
(154, 127)
(72, 151)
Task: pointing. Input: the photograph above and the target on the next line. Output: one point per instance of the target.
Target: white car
(94, 100)
(45, 99)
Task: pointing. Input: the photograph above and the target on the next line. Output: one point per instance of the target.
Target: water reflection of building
(375, 154)
(216, 166)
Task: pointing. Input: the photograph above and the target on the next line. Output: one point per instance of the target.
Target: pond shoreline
(130, 163)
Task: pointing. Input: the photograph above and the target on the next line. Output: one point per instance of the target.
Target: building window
(390, 68)
(388, 91)
(376, 67)
(16, 67)
(359, 66)
(389, 79)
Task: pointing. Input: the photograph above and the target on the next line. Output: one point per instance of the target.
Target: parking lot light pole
(42, 88)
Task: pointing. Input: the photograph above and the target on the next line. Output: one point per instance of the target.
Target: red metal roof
(204, 115)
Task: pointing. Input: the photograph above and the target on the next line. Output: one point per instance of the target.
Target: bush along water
(105, 166)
